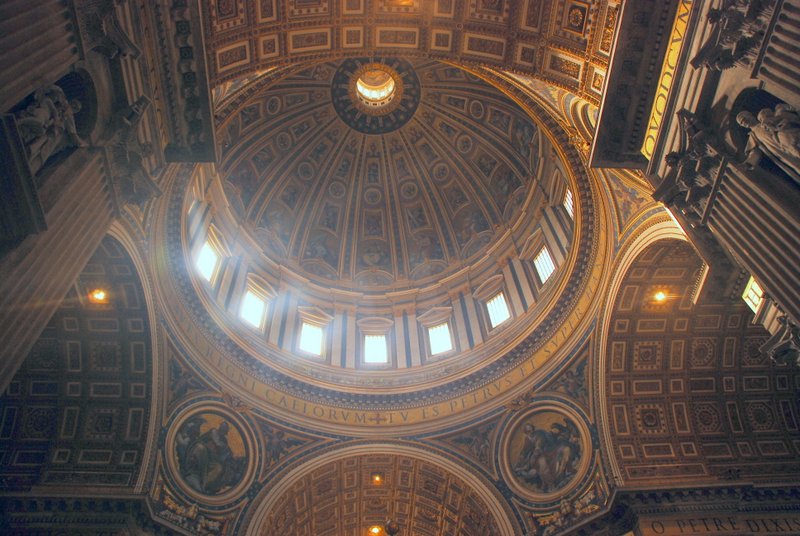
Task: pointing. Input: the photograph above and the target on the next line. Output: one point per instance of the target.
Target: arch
(687, 395)
(80, 409)
(661, 227)
(385, 456)
(121, 231)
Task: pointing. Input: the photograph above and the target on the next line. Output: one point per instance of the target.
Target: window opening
(544, 264)
(439, 338)
(375, 349)
(207, 262)
(498, 310)
(311, 339)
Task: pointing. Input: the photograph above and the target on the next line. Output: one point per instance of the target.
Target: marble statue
(775, 134)
(783, 347)
(738, 30)
(47, 126)
(132, 180)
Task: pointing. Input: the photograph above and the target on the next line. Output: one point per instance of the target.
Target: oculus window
(375, 85)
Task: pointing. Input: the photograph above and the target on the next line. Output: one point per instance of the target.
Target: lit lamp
(98, 295)
(660, 296)
(391, 528)
(376, 478)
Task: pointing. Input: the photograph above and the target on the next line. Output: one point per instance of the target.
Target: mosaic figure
(548, 458)
(210, 454)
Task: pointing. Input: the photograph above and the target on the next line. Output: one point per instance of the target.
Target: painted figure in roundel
(545, 452)
(211, 454)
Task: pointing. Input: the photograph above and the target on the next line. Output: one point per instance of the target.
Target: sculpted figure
(547, 459)
(738, 31)
(775, 133)
(48, 126)
(133, 182)
(783, 347)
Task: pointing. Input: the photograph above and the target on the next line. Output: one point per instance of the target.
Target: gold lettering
(666, 78)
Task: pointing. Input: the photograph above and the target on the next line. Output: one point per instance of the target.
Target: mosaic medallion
(547, 450)
(211, 453)
(375, 95)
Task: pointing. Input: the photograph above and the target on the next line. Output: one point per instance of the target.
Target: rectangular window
(439, 338)
(253, 309)
(207, 262)
(569, 203)
(753, 295)
(311, 339)
(544, 264)
(375, 349)
(498, 310)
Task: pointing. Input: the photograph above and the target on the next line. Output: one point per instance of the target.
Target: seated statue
(775, 134)
(47, 126)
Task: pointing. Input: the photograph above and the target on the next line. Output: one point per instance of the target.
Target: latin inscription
(667, 77)
(723, 525)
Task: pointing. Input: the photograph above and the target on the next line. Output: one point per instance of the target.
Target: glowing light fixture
(375, 529)
(660, 296)
(377, 478)
(98, 295)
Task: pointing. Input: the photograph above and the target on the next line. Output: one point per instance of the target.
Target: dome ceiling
(389, 224)
(438, 178)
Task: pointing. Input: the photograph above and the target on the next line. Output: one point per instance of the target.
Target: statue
(132, 180)
(774, 133)
(690, 181)
(783, 347)
(738, 30)
(47, 126)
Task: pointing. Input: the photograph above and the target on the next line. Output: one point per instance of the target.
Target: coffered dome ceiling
(379, 199)
(388, 212)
